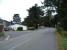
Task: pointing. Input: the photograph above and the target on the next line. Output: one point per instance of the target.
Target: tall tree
(63, 13)
(35, 13)
(16, 19)
(61, 8)
(49, 9)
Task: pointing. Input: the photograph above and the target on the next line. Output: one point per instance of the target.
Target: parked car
(6, 29)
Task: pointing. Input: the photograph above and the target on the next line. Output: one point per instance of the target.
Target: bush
(59, 29)
(31, 28)
(19, 28)
(1, 34)
(64, 33)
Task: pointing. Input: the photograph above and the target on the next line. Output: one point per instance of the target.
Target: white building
(15, 26)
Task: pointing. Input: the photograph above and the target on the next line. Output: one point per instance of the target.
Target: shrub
(59, 30)
(19, 28)
(1, 34)
(31, 28)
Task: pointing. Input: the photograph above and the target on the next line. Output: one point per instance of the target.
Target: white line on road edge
(19, 44)
(7, 37)
(14, 38)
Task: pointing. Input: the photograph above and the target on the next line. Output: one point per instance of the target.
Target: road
(42, 39)
(14, 34)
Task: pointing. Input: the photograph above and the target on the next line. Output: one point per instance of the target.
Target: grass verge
(64, 38)
(59, 41)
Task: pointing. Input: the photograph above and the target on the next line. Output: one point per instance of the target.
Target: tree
(61, 8)
(33, 19)
(63, 14)
(49, 9)
(16, 19)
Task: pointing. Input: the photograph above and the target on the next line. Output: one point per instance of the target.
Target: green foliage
(16, 19)
(61, 10)
(59, 30)
(1, 34)
(31, 28)
(33, 19)
(64, 23)
(64, 38)
(65, 43)
(46, 21)
(19, 29)
(49, 9)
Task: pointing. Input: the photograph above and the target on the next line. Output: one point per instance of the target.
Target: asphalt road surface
(14, 34)
(42, 39)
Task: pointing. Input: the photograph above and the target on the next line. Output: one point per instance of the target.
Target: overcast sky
(10, 7)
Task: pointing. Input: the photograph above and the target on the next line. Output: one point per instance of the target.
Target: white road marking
(7, 37)
(14, 38)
